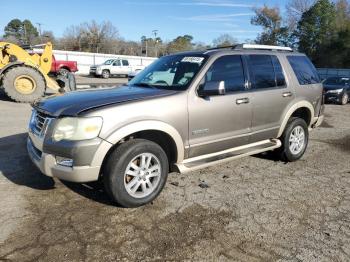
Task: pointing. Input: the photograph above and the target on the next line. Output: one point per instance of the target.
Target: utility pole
(39, 27)
(155, 32)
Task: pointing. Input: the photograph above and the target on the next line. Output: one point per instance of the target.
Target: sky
(203, 19)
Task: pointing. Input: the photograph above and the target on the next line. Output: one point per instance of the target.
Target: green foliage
(23, 31)
(316, 29)
(320, 28)
(181, 43)
(271, 22)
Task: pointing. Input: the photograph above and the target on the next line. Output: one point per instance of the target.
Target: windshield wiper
(145, 85)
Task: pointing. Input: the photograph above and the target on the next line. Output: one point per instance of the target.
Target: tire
(106, 74)
(344, 99)
(119, 185)
(63, 71)
(67, 83)
(72, 84)
(286, 152)
(24, 84)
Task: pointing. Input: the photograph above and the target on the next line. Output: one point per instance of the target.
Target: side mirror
(214, 88)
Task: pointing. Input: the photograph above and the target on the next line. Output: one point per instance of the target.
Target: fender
(290, 112)
(127, 130)
(10, 65)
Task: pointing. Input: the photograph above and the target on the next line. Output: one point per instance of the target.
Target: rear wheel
(294, 140)
(135, 173)
(24, 84)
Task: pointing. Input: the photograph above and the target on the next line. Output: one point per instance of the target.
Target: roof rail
(254, 46)
(265, 47)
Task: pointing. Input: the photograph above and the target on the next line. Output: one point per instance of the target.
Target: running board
(200, 162)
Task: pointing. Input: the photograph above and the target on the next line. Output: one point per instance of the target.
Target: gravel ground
(252, 209)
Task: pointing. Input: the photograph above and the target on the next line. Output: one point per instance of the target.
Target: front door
(221, 122)
(116, 67)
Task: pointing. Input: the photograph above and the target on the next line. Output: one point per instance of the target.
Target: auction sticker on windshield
(193, 59)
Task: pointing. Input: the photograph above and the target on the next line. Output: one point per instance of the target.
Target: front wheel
(344, 99)
(135, 173)
(106, 74)
(294, 140)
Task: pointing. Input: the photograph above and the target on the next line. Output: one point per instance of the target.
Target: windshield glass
(337, 81)
(174, 72)
(108, 62)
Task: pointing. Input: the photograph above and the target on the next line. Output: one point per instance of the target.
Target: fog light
(63, 161)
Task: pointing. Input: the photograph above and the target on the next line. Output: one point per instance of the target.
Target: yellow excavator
(25, 77)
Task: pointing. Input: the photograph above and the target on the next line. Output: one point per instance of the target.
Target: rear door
(126, 68)
(271, 94)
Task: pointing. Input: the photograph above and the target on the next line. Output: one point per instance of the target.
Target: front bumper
(48, 165)
(333, 97)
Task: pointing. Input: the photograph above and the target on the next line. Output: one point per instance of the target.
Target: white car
(114, 67)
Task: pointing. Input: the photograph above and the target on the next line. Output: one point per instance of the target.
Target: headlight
(336, 91)
(75, 128)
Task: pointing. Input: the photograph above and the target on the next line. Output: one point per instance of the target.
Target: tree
(90, 37)
(295, 9)
(23, 31)
(181, 43)
(224, 40)
(316, 29)
(271, 21)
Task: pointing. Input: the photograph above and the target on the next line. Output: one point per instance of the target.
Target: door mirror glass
(213, 88)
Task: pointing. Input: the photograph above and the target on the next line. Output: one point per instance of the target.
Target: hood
(74, 103)
(332, 87)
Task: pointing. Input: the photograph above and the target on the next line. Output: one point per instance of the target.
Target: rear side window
(125, 62)
(262, 71)
(304, 70)
(228, 69)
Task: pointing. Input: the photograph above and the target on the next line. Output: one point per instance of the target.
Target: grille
(40, 123)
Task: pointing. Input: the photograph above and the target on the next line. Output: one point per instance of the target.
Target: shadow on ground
(17, 167)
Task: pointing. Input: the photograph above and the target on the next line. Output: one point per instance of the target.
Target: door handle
(242, 101)
(287, 94)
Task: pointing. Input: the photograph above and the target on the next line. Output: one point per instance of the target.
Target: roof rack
(254, 46)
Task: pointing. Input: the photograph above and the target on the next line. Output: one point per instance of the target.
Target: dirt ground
(252, 209)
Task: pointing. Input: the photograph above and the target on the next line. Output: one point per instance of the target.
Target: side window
(280, 80)
(262, 71)
(116, 63)
(125, 63)
(228, 69)
(304, 70)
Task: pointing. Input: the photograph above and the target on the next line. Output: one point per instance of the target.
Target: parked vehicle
(337, 89)
(63, 67)
(24, 75)
(120, 67)
(184, 112)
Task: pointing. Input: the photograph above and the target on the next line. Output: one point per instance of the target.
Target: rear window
(304, 70)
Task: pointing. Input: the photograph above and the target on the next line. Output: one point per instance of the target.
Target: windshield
(337, 81)
(108, 62)
(174, 72)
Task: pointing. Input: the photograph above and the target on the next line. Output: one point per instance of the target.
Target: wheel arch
(302, 109)
(64, 67)
(156, 131)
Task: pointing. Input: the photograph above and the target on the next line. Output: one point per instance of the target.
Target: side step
(199, 162)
